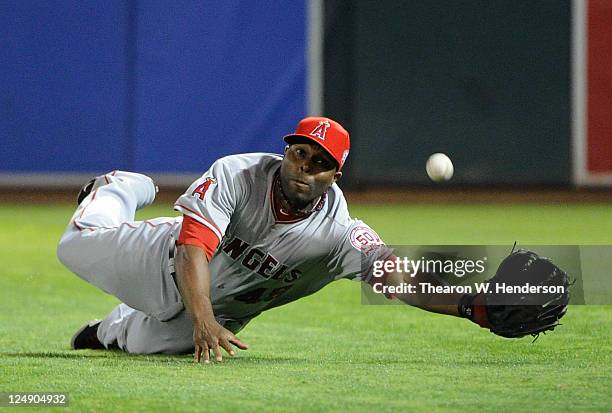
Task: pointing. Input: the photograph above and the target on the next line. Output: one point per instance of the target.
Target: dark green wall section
(487, 82)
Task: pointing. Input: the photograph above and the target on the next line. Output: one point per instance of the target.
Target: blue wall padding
(148, 86)
(62, 85)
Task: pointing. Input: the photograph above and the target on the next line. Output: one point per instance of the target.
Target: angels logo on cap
(321, 129)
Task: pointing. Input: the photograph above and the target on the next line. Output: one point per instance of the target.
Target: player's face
(307, 171)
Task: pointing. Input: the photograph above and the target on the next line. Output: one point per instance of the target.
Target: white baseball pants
(130, 260)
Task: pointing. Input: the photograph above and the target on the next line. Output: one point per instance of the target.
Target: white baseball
(439, 167)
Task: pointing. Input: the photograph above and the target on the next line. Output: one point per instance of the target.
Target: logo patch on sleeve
(364, 239)
(200, 191)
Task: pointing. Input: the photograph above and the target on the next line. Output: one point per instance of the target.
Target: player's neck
(288, 210)
(291, 206)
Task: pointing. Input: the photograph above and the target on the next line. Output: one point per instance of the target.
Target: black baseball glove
(528, 295)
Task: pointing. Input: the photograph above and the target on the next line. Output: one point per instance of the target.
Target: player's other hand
(213, 336)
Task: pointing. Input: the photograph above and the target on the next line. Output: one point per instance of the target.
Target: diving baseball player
(258, 231)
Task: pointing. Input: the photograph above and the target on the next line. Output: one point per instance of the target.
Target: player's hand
(213, 336)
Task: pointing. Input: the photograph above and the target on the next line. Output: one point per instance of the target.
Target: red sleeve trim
(205, 221)
(195, 233)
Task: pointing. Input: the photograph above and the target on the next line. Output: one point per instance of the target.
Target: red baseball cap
(326, 132)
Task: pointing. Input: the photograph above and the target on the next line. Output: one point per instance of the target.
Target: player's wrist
(208, 319)
(201, 311)
(473, 307)
(209, 322)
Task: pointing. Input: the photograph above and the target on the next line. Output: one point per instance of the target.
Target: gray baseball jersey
(262, 263)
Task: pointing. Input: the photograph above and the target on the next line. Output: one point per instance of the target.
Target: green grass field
(325, 352)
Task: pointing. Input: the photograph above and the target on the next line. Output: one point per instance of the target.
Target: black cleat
(85, 190)
(87, 337)
(89, 186)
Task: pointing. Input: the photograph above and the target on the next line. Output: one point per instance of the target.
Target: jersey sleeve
(212, 199)
(194, 233)
(359, 248)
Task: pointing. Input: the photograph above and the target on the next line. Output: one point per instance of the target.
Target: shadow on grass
(65, 355)
(245, 360)
(146, 358)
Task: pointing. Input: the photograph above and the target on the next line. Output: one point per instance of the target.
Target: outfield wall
(516, 92)
(487, 82)
(151, 86)
(592, 86)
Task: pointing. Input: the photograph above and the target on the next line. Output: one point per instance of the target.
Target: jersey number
(200, 191)
(256, 295)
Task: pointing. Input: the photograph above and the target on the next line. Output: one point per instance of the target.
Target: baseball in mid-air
(439, 167)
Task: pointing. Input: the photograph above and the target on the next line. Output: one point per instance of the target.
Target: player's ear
(286, 149)
(337, 176)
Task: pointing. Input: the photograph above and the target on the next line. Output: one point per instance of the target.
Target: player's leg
(111, 204)
(106, 247)
(113, 199)
(135, 332)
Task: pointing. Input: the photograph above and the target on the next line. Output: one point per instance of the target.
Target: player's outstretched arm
(424, 300)
(193, 280)
(453, 302)
(508, 315)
